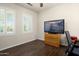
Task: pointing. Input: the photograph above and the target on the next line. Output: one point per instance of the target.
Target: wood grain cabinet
(52, 39)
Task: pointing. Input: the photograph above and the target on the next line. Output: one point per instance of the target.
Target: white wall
(8, 41)
(69, 12)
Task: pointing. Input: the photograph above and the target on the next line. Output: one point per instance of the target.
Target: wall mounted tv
(54, 26)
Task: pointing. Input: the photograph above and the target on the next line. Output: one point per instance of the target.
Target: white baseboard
(13, 45)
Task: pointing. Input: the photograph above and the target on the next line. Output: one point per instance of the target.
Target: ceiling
(36, 6)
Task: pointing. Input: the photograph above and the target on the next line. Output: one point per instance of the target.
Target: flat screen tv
(54, 26)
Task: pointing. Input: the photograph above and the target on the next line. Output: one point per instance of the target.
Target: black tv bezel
(55, 21)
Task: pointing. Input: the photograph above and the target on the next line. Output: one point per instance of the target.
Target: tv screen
(55, 26)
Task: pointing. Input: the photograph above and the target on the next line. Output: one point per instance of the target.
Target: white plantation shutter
(2, 20)
(27, 23)
(7, 21)
(10, 21)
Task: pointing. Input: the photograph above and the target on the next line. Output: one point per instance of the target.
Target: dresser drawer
(52, 36)
(56, 44)
(53, 40)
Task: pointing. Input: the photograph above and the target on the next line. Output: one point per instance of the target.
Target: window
(7, 21)
(2, 20)
(27, 23)
(10, 21)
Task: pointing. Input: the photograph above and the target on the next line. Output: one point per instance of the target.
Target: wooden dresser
(52, 39)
